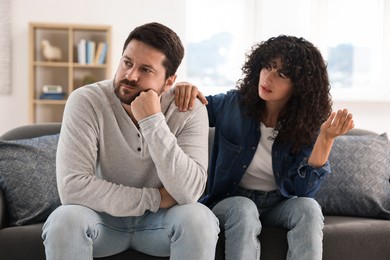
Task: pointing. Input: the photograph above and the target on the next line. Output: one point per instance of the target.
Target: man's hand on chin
(146, 104)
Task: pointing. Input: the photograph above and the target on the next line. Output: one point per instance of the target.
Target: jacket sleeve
(305, 179)
(214, 107)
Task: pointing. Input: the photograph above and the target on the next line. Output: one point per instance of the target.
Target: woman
(273, 136)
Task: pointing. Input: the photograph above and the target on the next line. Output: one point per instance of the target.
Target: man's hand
(146, 104)
(167, 200)
(185, 95)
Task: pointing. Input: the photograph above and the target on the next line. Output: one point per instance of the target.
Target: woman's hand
(338, 123)
(185, 95)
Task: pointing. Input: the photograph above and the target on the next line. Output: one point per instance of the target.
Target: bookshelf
(61, 68)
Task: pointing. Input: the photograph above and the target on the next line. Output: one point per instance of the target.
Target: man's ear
(169, 82)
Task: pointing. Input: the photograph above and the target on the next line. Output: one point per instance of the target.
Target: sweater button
(244, 166)
(139, 149)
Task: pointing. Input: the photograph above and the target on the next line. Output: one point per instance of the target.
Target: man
(130, 167)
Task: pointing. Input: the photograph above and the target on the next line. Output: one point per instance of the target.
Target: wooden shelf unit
(67, 72)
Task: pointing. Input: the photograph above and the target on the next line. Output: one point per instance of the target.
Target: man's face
(140, 68)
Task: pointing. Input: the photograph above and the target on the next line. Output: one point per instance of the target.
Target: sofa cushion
(359, 183)
(28, 179)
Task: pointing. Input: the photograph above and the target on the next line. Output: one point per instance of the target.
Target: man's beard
(124, 94)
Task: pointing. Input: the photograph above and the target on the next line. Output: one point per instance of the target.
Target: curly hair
(310, 104)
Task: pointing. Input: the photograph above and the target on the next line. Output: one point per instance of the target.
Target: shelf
(67, 64)
(99, 66)
(60, 65)
(50, 64)
(49, 102)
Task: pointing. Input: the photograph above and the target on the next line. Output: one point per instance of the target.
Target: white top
(259, 175)
(105, 163)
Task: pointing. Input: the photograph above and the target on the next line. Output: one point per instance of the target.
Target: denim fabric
(264, 201)
(236, 138)
(240, 220)
(183, 232)
(303, 218)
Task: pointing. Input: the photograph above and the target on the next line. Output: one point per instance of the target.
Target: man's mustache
(131, 83)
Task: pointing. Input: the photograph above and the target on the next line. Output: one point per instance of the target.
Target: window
(216, 43)
(352, 36)
(355, 50)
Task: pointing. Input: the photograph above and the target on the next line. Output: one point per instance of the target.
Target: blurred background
(353, 36)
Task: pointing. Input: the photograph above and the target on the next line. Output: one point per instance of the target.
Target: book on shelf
(91, 48)
(52, 89)
(81, 51)
(90, 52)
(52, 96)
(101, 53)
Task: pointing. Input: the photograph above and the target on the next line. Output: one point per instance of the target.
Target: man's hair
(310, 103)
(163, 39)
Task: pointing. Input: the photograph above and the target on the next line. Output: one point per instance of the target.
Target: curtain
(5, 46)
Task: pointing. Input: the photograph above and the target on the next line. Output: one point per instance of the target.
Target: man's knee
(196, 214)
(65, 219)
(197, 219)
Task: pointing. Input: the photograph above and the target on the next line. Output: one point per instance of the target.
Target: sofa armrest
(2, 210)
(30, 131)
(360, 131)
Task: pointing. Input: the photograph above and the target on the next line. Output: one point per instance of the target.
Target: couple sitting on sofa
(132, 162)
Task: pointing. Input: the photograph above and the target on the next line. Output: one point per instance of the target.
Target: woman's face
(274, 86)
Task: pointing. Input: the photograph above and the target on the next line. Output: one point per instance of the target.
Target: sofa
(356, 206)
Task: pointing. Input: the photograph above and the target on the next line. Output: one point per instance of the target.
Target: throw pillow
(359, 183)
(28, 178)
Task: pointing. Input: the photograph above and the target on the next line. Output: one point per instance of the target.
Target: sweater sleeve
(179, 151)
(77, 159)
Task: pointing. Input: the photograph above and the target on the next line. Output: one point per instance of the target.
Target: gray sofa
(361, 237)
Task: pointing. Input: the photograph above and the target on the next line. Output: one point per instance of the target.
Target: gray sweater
(105, 163)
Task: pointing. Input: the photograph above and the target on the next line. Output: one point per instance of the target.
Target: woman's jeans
(242, 216)
(183, 232)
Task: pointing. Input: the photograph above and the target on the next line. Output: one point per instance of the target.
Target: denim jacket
(235, 142)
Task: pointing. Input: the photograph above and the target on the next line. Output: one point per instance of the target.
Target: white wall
(123, 16)
(374, 116)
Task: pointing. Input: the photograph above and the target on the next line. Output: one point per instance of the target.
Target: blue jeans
(183, 232)
(242, 216)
